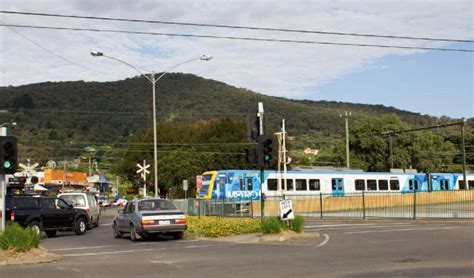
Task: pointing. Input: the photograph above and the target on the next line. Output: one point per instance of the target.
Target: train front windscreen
(206, 185)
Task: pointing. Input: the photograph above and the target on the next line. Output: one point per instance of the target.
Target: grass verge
(14, 237)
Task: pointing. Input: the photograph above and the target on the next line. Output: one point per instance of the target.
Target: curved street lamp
(153, 79)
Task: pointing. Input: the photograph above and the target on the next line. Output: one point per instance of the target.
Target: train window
(462, 185)
(360, 185)
(339, 185)
(272, 184)
(301, 185)
(410, 184)
(242, 186)
(471, 184)
(394, 185)
(371, 185)
(383, 185)
(289, 185)
(314, 185)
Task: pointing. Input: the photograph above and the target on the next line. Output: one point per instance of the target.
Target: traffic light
(265, 151)
(8, 155)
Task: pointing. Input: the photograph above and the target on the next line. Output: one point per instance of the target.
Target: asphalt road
(355, 249)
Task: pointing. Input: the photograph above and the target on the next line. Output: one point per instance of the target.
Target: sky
(436, 83)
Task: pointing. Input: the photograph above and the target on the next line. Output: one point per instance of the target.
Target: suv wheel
(80, 226)
(117, 233)
(35, 226)
(133, 233)
(51, 233)
(97, 222)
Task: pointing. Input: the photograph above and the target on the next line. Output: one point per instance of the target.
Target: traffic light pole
(262, 201)
(2, 202)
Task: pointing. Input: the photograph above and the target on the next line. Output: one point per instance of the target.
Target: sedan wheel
(117, 233)
(133, 233)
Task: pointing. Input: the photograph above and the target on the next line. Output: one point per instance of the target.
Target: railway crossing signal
(8, 155)
(143, 170)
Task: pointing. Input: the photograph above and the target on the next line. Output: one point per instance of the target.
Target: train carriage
(241, 185)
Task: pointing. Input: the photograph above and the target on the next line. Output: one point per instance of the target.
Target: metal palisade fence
(457, 204)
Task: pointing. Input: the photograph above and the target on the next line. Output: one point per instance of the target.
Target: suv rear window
(74, 200)
(156, 205)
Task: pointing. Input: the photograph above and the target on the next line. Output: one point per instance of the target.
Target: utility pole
(391, 150)
(260, 113)
(346, 117)
(464, 157)
(283, 131)
(282, 158)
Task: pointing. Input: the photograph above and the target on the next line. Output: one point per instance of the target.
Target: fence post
(363, 205)
(199, 208)
(321, 204)
(251, 207)
(223, 207)
(414, 203)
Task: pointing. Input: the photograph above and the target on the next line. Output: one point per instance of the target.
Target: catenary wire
(236, 38)
(237, 27)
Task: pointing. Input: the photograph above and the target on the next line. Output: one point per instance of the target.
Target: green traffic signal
(7, 164)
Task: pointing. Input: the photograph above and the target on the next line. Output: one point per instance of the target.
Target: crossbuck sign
(286, 210)
(143, 170)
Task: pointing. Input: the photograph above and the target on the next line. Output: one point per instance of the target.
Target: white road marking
(350, 228)
(326, 239)
(106, 224)
(113, 252)
(339, 225)
(106, 246)
(82, 248)
(403, 230)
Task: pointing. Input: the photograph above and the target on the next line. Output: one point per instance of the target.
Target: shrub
(297, 224)
(19, 239)
(272, 225)
(209, 226)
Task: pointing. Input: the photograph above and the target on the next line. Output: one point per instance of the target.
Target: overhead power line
(234, 38)
(238, 27)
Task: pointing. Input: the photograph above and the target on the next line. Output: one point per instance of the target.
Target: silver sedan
(145, 218)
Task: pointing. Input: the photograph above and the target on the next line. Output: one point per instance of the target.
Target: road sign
(286, 210)
(185, 185)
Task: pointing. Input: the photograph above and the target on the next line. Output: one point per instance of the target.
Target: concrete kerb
(262, 238)
(34, 256)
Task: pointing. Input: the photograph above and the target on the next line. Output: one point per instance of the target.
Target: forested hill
(108, 112)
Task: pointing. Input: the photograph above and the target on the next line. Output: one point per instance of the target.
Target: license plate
(164, 222)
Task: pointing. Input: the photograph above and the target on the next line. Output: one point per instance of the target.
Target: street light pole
(153, 80)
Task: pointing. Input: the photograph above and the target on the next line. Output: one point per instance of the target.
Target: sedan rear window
(156, 205)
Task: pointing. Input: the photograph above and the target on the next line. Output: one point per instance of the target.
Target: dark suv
(45, 214)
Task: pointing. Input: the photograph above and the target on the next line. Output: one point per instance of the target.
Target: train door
(337, 185)
(443, 184)
(413, 184)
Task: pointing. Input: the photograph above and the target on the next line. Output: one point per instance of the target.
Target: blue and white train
(247, 185)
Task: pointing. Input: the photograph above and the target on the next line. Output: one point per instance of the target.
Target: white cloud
(271, 68)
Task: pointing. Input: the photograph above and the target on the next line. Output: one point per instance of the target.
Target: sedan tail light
(148, 222)
(180, 221)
